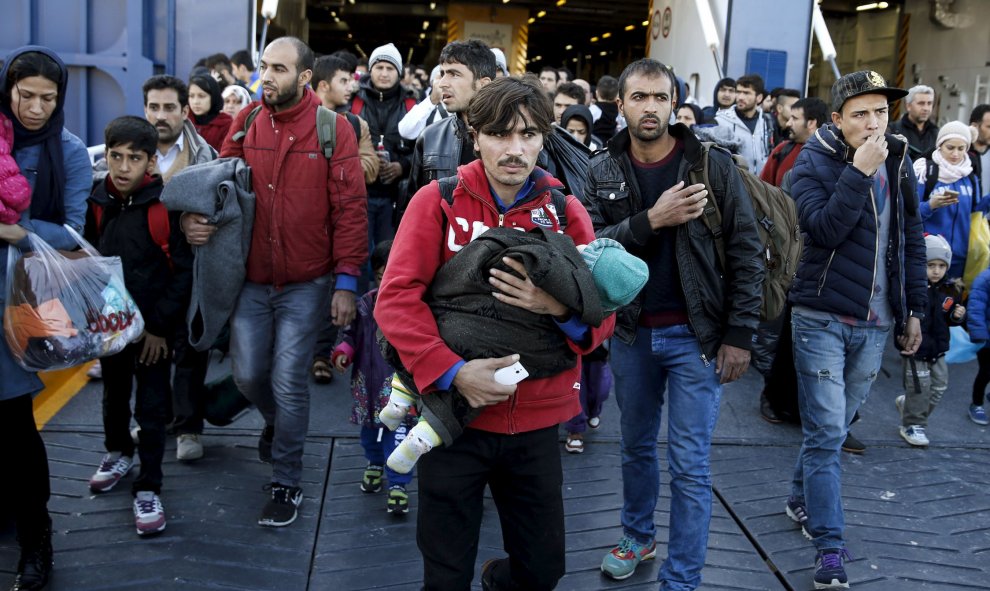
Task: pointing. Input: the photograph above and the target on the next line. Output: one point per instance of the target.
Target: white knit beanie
(388, 53)
(955, 130)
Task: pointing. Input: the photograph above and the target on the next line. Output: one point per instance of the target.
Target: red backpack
(158, 226)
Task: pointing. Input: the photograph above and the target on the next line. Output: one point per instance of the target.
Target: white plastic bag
(66, 308)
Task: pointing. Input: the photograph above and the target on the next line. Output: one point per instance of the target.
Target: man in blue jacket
(862, 273)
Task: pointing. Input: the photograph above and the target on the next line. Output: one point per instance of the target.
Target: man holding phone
(862, 274)
(511, 447)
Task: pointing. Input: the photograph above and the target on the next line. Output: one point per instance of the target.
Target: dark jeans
(378, 444)
(188, 391)
(524, 475)
(150, 410)
(26, 489)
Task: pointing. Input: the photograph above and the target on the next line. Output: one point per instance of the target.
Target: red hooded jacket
(311, 215)
(424, 242)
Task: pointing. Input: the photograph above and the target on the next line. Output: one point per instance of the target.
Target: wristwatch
(919, 315)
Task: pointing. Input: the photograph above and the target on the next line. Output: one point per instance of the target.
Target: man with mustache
(688, 332)
(511, 447)
(166, 106)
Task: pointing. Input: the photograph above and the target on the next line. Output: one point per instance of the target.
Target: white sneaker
(899, 403)
(915, 435)
(188, 448)
(113, 467)
(594, 422)
(149, 514)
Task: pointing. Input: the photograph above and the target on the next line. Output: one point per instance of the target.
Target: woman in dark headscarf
(32, 95)
(205, 110)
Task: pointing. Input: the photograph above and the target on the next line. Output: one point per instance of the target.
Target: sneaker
(113, 467)
(265, 444)
(149, 514)
(798, 513)
(575, 443)
(829, 572)
(915, 435)
(282, 509)
(899, 403)
(188, 447)
(95, 371)
(398, 500)
(621, 562)
(594, 422)
(853, 445)
(978, 415)
(371, 482)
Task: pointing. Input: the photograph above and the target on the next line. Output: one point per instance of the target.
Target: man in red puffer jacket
(310, 224)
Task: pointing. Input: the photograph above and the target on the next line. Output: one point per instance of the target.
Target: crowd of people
(495, 339)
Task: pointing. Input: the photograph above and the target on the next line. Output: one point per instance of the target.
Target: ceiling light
(422, 35)
(505, 1)
(606, 35)
(426, 25)
(646, 23)
(433, 5)
(541, 14)
(531, 20)
(574, 59)
(603, 53)
(561, 2)
(332, 13)
(630, 27)
(568, 48)
(870, 6)
(594, 39)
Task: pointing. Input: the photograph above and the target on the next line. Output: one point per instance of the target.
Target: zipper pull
(622, 186)
(704, 359)
(501, 219)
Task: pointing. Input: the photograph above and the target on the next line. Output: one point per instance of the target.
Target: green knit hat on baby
(619, 276)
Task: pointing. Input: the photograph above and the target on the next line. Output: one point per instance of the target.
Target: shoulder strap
(357, 105)
(559, 200)
(447, 186)
(355, 122)
(326, 130)
(239, 136)
(931, 178)
(98, 217)
(711, 215)
(159, 228)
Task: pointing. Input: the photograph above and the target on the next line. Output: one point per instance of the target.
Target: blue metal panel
(770, 25)
(112, 46)
(771, 64)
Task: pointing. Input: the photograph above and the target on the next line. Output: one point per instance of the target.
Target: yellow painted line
(60, 387)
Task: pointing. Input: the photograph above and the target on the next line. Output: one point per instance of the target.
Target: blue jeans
(667, 359)
(836, 364)
(272, 335)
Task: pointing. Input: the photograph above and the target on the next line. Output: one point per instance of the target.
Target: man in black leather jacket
(465, 67)
(691, 328)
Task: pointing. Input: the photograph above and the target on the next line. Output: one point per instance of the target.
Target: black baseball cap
(859, 83)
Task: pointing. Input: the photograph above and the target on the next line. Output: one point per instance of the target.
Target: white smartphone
(509, 376)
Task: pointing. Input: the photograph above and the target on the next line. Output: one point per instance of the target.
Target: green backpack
(777, 223)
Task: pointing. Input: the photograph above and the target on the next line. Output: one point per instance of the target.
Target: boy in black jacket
(127, 220)
(926, 375)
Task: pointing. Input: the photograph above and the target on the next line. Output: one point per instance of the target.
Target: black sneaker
(282, 509)
(829, 571)
(265, 444)
(853, 445)
(371, 482)
(398, 500)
